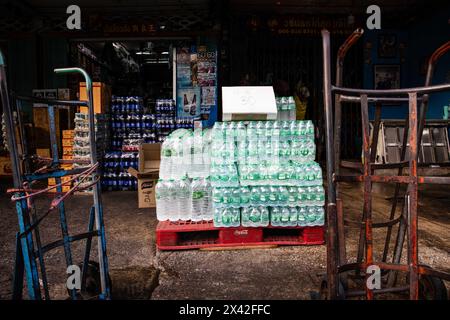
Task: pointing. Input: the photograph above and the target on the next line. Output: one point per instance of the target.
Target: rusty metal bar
(357, 293)
(342, 52)
(405, 91)
(331, 188)
(345, 98)
(367, 210)
(413, 258)
(392, 179)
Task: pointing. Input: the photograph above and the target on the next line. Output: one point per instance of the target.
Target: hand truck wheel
(93, 283)
(431, 288)
(324, 290)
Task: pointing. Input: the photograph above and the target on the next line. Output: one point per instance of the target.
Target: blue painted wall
(421, 39)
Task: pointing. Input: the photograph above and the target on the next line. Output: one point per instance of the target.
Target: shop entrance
(292, 63)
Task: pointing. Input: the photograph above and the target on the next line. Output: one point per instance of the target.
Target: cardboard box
(101, 94)
(68, 134)
(149, 161)
(248, 103)
(44, 153)
(67, 142)
(5, 166)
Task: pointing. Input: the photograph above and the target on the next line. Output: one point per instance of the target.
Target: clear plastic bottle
(184, 199)
(207, 213)
(292, 199)
(283, 196)
(275, 216)
(320, 216)
(198, 194)
(311, 216)
(165, 166)
(162, 201)
(293, 216)
(301, 216)
(172, 192)
(254, 196)
(264, 211)
(292, 109)
(285, 215)
(244, 196)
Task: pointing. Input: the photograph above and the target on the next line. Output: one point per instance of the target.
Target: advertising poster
(188, 102)
(184, 78)
(196, 82)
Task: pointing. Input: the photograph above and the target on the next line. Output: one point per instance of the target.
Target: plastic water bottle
(244, 196)
(292, 109)
(309, 129)
(293, 216)
(254, 216)
(320, 216)
(235, 197)
(285, 215)
(217, 219)
(292, 198)
(283, 195)
(301, 216)
(320, 195)
(172, 193)
(166, 160)
(264, 193)
(264, 211)
(275, 216)
(246, 222)
(198, 194)
(184, 199)
(310, 216)
(207, 213)
(162, 200)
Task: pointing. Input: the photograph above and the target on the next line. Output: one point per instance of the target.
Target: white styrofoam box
(248, 103)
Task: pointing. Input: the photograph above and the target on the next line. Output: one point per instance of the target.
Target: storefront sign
(302, 25)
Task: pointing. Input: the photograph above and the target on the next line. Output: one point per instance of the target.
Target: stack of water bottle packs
(81, 141)
(264, 172)
(183, 191)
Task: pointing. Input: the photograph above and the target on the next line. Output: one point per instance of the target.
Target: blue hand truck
(29, 260)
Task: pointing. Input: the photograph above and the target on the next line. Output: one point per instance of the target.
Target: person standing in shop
(301, 96)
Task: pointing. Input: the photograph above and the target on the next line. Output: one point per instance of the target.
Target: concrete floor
(278, 273)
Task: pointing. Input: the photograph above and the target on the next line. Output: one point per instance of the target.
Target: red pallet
(196, 235)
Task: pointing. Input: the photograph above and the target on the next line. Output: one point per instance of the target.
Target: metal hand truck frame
(30, 251)
(338, 269)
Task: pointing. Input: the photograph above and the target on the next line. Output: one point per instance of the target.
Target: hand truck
(422, 281)
(30, 251)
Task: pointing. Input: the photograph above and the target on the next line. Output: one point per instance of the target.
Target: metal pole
(102, 257)
(413, 258)
(331, 189)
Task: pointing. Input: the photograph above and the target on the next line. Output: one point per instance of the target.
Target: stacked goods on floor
(132, 125)
(264, 171)
(115, 175)
(67, 144)
(81, 142)
(129, 125)
(67, 150)
(183, 191)
(286, 108)
(165, 118)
